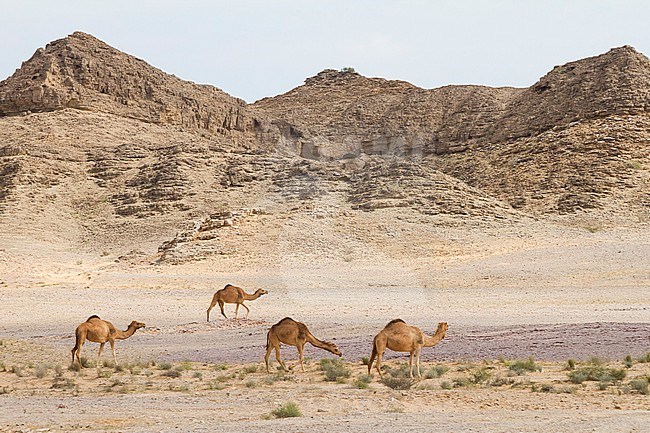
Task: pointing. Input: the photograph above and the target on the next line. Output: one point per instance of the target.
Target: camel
(400, 337)
(293, 333)
(233, 295)
(100, 331)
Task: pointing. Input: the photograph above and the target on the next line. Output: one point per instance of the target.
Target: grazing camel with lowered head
(233, 295)
(100, 331)
(400, 337)
(293, 333)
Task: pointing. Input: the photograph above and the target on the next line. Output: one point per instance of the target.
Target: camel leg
(301, 347)
(411, 364)
(212, 304)
(236, 310)
(269, 348)
(378, 365)
(113, 349)
(373, 355)
(277, 356)
(247, 310)
(221, 307)
(78, 344)
(99, 355)
(417, 362)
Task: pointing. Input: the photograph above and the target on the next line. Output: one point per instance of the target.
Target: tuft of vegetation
(436, 371)
(220, 367)
(445, 384)
(172, 373)
(335, 370)
(520, 367)
(541, 387)
(250, 369)
(185, 366)
(365, 360)
(198, 375)
(40, 371)
(460, 382)
(481, 376)
(251, 384)
(362, 381)
(570, 365)
(288, 410)
(18, 371)
(398, 377)
(596, 372)
(628, 362)
(640, 385)
(165, 366)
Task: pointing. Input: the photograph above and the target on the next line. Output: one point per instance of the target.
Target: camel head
(333, 348)
(442, 327)
(261, 292)
(136, 325)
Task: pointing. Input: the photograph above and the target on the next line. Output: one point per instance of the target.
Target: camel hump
(229, 285)
(395, 321)
(285, 319)
(94, 316)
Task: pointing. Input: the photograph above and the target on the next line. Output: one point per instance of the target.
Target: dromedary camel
(400, 337)
(293, 333)
(233, 295)
(100, 331)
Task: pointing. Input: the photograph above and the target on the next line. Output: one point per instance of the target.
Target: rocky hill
(97, 144)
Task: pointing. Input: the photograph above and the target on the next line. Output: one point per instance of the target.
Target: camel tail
(268, 334)
(372, 355)
(77, 335)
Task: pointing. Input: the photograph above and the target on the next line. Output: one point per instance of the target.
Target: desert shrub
(365, 360)
(108, 364)
(363, 381)
(460, 382)
(597, 361)
(628, 362)
(334, 369)
(596, 373)
(185, 366)
(58, 370)
(220, 366)
(40, 371)
(542, 387)
(165, 366)
(250, 369)
(436, 371)
(501, 381)
(119, 369)
(63, 383)
(640, 386)
(570, 365)
(481, 376)
(445, 384)
(520, 366)
(104, 373)
(172, 373)
(18, 371)
(397, 382)
(288, 410)
(198, 375)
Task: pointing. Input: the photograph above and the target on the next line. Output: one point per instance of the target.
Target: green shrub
(596, 372)
(172, 373)
(165, 366)
(334, 369)
(436, 371)
(220, 366)
(520, 367)
(445, 384)
(640, 385)
(570, 365)
(644, 358)
(628, 362)
(40, 371)
(365, 360)
(460, 382)
(250, 369)
(363, 381)
(289, 410)
(481, 376)
(399, 382)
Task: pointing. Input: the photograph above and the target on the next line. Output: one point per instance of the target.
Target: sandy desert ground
(508, 291)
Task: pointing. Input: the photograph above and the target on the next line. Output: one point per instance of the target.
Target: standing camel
(400, 337)
(293, 333)
(100, 331)
(233, 295)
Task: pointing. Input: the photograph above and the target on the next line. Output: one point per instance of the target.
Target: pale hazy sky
(253, 49)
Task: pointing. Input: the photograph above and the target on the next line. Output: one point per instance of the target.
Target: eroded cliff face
(82, 72)
(96, 139)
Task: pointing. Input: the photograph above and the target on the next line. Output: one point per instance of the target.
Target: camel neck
(121, 335)
(251, 297)
(434, 339)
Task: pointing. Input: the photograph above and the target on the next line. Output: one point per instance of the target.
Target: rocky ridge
(107, 143)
